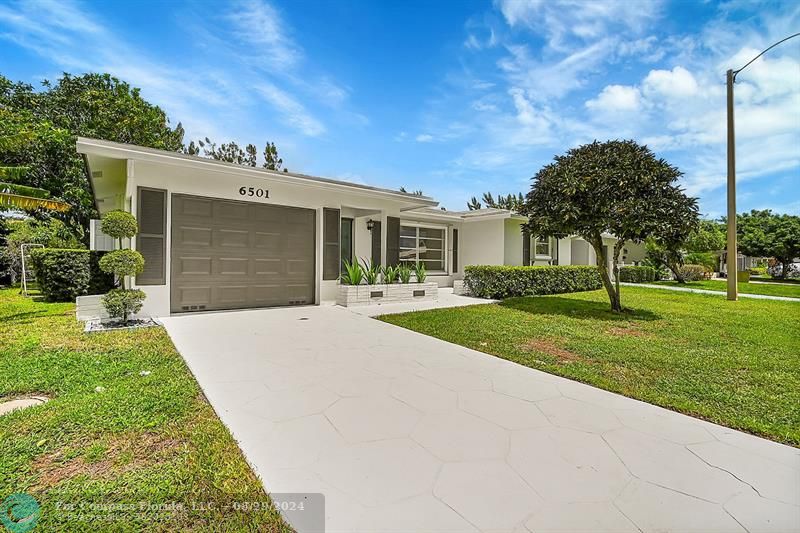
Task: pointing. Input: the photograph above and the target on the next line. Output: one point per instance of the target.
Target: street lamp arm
(735, 72)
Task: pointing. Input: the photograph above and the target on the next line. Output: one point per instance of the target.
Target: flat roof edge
(98, 147)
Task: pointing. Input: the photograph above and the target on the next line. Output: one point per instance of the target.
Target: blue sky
(451, 97)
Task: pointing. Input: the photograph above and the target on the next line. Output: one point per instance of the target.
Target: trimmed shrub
(119, 225)
(488, 281)
(64, 274)
(122, 263)
(758, 271)
(122, 303)
(637, 274)
(694, 272)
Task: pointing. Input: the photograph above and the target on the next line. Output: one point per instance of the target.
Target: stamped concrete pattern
(402, 433)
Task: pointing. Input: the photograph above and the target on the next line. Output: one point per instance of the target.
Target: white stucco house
(218, 235)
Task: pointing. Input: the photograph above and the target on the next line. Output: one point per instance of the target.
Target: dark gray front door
(233, 255)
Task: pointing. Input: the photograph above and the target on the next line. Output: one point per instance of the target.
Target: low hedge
(64, 274)
(694, 272)
(637, 274)
(489, 281)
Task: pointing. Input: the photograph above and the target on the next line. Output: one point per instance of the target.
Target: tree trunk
(617, 250)
(785, 264)
(602, 267)
(676, 271)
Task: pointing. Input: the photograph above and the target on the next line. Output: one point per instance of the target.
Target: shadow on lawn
(557, 305)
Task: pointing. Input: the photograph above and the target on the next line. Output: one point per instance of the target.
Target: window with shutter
(455, 250)
(331, 254)
(151, 240)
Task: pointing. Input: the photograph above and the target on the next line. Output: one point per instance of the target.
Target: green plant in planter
(404, 273)
(119, 225)
(390, 274)
(122, 302)
(122, 262)
(420, 272)
(353, 274)
(372, 271)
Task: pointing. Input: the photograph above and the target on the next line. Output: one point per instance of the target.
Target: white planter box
(90, 308)
(459, 288)
(350, 295)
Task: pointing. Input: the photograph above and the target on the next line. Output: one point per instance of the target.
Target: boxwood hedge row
(637, 274)
(64, 274)
(489, 281)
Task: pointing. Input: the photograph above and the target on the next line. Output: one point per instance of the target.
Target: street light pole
(732, 250)
(733, 277)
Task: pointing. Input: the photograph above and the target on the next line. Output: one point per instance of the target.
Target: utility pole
(732, 250)
(733, 287)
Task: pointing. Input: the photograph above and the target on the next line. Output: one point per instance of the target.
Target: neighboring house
(217, 235)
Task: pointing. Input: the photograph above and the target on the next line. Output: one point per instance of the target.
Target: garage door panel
(195, 295)
(230, 211)
(232, 295)
(230, 238)
(194, 236)
(233, 266)
(253, 255)
(268, 242)
(193, 266)
(268, 267)
(195, 207)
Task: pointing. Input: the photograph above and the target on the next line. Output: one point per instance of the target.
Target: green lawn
(733, 363)
(144, 438)
(771, 289)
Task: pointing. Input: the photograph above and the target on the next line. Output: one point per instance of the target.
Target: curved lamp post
(732, 250)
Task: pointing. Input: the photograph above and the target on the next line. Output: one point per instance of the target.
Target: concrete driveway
(402, 433)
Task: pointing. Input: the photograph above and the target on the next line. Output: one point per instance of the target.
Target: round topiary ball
(122, 263)
(119, 224)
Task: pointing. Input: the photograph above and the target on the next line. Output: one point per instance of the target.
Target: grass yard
(142, 438)
(733, 363)
(770, 289)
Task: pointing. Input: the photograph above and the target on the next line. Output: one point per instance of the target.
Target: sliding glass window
(423, 244)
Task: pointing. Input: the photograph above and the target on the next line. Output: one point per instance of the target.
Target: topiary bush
(122, 303)
(64, 274)
(694, 272)
(122, 263)
(637, 274)
(119, 225)
(489, 281)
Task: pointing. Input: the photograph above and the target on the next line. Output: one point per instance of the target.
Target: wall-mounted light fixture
(370, 224)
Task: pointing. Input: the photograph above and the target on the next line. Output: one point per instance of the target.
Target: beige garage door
(234, 255)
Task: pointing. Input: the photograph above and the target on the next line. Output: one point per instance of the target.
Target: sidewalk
(706, 291)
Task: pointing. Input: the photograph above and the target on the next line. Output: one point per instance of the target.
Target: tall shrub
(122, 302)
(64, 274)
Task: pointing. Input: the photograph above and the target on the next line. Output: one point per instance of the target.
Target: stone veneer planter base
(350, 295)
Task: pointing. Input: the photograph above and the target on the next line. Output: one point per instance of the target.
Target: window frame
(536, 254)
(424, 225)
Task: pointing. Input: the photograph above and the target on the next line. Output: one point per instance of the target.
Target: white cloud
(616, 99)
(292, 110)
(565, 21)
(670, 84)
(259, 25)
(424, 138)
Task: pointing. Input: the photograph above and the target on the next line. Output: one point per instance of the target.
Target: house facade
(217, 235)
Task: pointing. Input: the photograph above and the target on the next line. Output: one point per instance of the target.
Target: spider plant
(420, 273)
(353, 274)
(390, 274)
(372, 271)
(404, 273)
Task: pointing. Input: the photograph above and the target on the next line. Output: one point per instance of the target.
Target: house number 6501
(253, 191)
